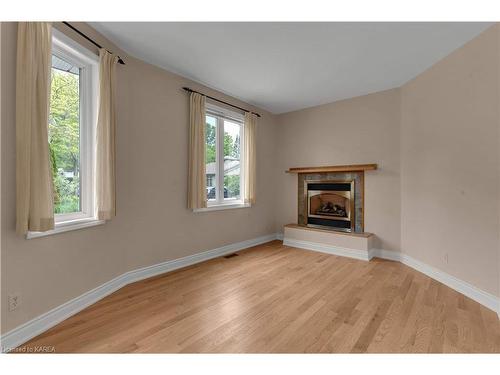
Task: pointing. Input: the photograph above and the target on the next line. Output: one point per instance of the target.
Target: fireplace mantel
(334, 168)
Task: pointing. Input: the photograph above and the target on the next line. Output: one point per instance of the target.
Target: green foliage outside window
(231, 148)
(210, 136)
(64, 140)
(232, 183)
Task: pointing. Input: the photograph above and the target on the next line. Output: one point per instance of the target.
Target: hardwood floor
(273, 298)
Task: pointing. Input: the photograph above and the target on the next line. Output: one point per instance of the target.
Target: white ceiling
(283, 67)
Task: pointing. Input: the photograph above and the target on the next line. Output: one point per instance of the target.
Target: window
(210, 180)
(71, 128)
(223, 144)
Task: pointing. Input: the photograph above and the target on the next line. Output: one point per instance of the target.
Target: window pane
(232, 136)
(211, 157)
(64, 135)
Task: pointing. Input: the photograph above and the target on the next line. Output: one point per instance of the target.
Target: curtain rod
(220, 101)
(120, 61)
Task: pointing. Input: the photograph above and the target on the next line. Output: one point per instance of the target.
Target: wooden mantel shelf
(334, 168)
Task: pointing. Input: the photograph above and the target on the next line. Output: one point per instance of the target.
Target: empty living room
(264, 186)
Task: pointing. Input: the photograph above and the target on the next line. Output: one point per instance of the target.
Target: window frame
(88, 62)
(221, 114)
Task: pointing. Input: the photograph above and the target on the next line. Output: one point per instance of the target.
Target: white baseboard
(328, 249)
(42, 323)
(484, 298)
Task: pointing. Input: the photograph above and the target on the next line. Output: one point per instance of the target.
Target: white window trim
(225, 204)
(66, 226)
(73, 52)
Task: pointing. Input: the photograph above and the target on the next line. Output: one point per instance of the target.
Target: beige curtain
(249, 157)
(34, 192)
(197, 195)
(105, 140)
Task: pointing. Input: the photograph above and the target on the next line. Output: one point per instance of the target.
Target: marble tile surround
(358, 178)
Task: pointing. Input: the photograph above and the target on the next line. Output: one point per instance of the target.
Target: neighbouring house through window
(224, 175)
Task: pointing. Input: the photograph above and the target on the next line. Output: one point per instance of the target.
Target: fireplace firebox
(330, 204)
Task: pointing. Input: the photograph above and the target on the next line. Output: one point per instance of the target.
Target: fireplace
(332, 197)
(330, 204)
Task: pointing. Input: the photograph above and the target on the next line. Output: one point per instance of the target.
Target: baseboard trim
(42, 323)
(328, 249)
(484, 298)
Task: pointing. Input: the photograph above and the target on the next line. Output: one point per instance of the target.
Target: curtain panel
(249, 157)
(34, 184)
(197, 195)
(105, 137)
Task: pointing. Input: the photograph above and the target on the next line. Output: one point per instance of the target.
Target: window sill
(66, 226)
(223, 206)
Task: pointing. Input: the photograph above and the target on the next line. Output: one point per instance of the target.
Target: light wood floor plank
(274, 298)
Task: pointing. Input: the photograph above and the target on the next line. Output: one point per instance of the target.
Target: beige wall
(354, 131)
(450, 164)
(497, 28)
(153, 223)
